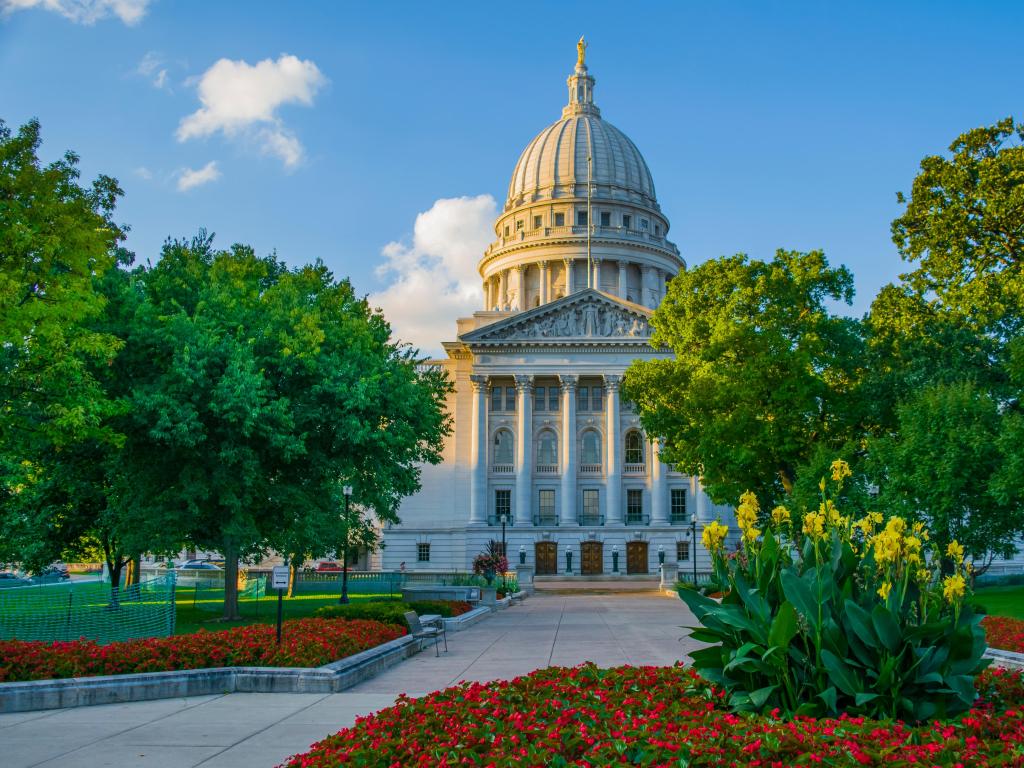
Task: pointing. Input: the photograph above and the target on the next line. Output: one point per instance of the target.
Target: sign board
(279, 577)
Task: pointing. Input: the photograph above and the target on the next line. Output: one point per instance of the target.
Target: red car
(328, 566)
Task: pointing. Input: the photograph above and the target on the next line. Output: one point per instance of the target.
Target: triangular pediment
(586, 316)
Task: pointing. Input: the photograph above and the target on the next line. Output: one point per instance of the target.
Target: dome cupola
(581, 212)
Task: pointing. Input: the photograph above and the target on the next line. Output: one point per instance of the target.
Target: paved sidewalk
(254, 730)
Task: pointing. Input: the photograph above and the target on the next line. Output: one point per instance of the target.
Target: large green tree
(263, 388)
(763, 372)
(58, 241)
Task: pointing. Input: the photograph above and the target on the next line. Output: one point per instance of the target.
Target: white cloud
(435, 280)
(195, 178)
(241, 100)
(152, 68)
(143, 173)
(84, 11)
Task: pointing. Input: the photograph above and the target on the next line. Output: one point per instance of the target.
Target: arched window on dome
(634, 448)
(590, 455)
(547, 452)
(501, 456)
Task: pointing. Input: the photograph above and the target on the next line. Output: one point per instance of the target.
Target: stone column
(570, 287)
(543, 282)
(487, 295)
(478, 453)
(502, 288)
(524, 450)
(700, 499)
(646, 283)
(659, 486)
(613, 513)
(659, 286)
(595, 281)
(623, 286)
(568, 507)
(520, 285)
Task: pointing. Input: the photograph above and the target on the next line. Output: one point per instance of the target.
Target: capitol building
(542, 439)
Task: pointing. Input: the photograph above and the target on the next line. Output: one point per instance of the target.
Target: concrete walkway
(254, 730)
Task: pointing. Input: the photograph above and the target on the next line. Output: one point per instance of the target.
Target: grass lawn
(1002, 601)
(190, 618)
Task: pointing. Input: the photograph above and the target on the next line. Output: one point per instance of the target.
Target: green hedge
(391, 612)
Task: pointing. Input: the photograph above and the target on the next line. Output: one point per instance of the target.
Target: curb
(145, 686)
(1007, 659)
(466, 620)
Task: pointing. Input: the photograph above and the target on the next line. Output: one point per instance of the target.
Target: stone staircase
(618, 582)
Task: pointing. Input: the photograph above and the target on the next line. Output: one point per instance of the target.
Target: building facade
(544, 451)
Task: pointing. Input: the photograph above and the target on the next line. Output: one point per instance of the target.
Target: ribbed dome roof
(554, 164)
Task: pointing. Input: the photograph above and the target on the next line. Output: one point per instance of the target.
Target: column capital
(612, 381)
(518, 267)
(543, 263)
(568, 381)
(524, 382)
(479, 382)
(568, 259)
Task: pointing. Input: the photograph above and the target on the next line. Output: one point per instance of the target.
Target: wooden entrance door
(636, 557)
(592, 555)
(546, 557)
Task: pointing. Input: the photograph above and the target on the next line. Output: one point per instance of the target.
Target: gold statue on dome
(581, 52)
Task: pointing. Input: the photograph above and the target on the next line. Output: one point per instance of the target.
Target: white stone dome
(554, 164)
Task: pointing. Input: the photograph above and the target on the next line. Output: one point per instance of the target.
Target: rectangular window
(510, 398)
(644, 224)
(627, 221)
(678, 505)
(537, 222)
(606, 219)
(682, 551)
(546, 507)
(559, 219)
(657, 229)
(422, 553)
(596, 395)
(553, 399)
(506, 230)
(496, 398)
(581, 218)
(539, 399)
(634, 505)
(519, 225)
(591, 507)
(583, 399)
(502, 503)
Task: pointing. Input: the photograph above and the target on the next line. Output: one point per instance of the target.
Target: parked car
(199, 565)
(51, 574)
(328, 566)
(11, 579)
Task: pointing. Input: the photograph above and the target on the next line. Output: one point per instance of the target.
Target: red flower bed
(1003, 632)
(656, 716)
(304, 643)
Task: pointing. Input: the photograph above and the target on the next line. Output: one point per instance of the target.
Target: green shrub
(391, 611)
(847, 617)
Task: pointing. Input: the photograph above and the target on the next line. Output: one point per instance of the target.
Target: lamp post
(347, 491)
(522, 554)
(661, 554)
(615, 558)
(568, 559)
(504, 520)
(693, 537)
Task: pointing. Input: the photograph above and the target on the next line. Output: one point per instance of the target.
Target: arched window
(502, 447)
(591, 448)
(634, 448)
(547, 449)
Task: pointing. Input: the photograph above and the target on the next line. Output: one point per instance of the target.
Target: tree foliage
(258, 389)
(762, 374)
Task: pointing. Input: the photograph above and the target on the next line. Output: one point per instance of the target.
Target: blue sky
(765, 125)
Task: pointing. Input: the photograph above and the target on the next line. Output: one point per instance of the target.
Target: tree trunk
(134, 574)
(114, 567)
(231, 612)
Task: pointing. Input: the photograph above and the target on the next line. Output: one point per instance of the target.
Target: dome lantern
(581, 87)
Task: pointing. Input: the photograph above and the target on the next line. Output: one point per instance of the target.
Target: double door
(636, 557)
(546, 558)
(591, 558)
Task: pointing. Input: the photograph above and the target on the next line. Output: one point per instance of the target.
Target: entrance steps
(599, 583)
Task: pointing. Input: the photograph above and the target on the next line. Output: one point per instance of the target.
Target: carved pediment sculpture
(591, 318)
